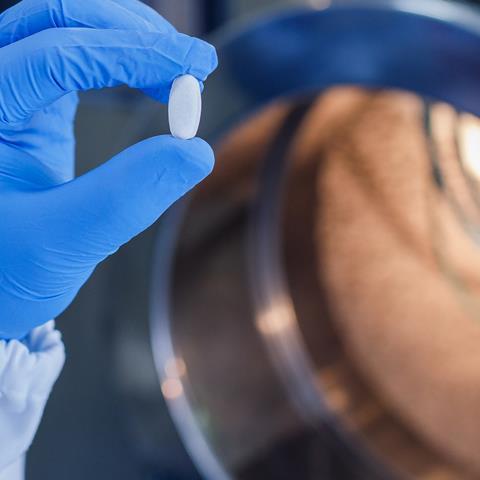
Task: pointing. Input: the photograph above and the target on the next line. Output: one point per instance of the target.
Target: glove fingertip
(185, 164)
(200, 153)
(202, 59)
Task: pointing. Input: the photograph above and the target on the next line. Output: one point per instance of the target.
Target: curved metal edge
(276, 319)
(164, 352)
(429, 47)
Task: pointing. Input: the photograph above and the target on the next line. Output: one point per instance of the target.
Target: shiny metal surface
(429, 47)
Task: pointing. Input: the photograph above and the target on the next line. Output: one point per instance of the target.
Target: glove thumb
(103, 209)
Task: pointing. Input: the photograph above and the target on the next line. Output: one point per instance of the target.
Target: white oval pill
(185, 107)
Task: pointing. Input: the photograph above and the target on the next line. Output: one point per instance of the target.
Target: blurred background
(312, 311)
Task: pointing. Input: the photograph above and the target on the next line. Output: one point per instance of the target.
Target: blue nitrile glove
(54, 230)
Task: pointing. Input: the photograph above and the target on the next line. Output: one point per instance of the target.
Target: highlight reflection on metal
(277, 320)
(175, 367)
(469, 144)
(457, 180)
(172, 388)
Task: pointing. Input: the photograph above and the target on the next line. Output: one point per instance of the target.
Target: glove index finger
(40, 69)
(32, 16)
(148, 13)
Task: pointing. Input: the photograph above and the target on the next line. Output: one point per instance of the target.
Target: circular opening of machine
(323, 294)
(316, 312)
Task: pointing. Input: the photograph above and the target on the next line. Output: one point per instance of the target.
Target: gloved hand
(28, 371)
(55, 230)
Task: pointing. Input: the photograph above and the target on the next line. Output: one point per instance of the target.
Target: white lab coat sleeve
(28, 370)
(15, 471)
